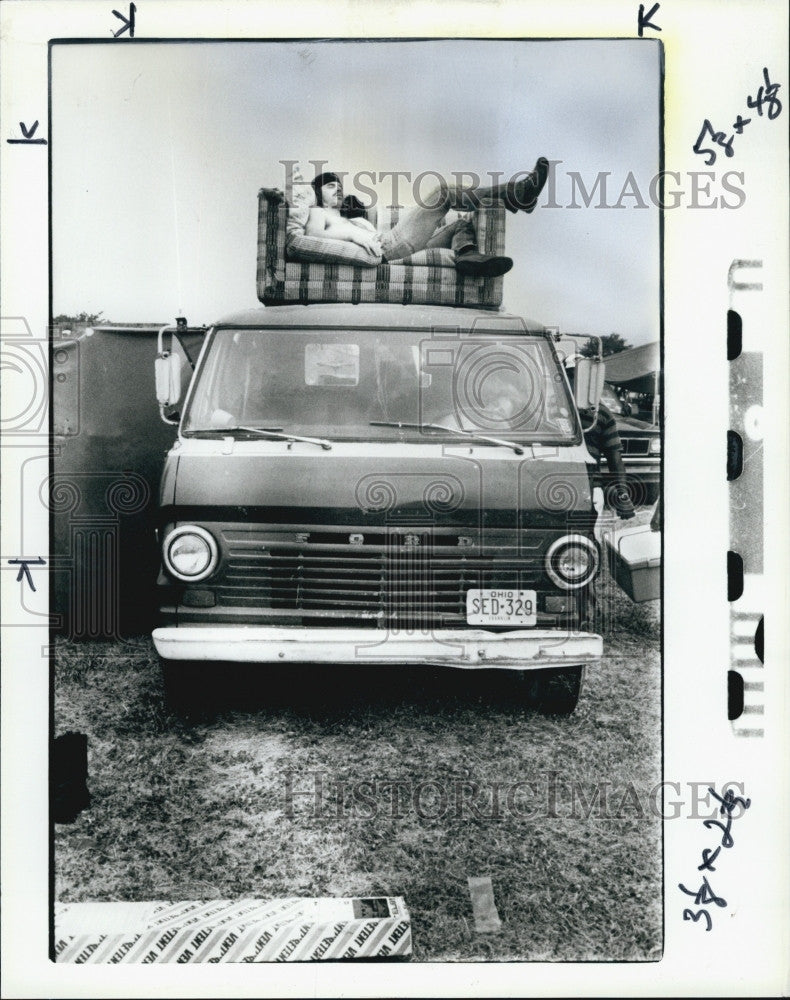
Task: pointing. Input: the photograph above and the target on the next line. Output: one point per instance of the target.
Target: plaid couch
(425, 278)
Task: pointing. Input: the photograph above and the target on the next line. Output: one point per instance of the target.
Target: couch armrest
(274, 195)
(489, 223)
(272, 219)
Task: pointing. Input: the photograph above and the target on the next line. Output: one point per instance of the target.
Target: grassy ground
(261, 796)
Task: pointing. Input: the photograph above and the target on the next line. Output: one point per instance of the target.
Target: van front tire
(184, 683)
(552, 692)
(558, 690)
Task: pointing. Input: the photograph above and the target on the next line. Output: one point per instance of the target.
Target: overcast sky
(158, 152)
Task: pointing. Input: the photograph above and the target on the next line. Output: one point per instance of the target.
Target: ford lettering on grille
(377, 576)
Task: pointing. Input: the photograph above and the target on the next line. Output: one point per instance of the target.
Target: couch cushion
(318, 250)
(435, 257)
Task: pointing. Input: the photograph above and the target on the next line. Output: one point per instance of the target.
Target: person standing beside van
(603, 441)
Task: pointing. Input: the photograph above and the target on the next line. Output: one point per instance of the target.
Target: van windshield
(337, 384)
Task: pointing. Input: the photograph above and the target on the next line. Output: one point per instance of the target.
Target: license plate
(501, 607)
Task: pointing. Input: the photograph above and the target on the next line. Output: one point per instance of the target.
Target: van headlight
(572, 561)
(655, 446)
(190, 553)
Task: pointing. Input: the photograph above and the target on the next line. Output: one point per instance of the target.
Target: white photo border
(710, 49)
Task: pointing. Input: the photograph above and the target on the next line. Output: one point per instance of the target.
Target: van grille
(407, 576)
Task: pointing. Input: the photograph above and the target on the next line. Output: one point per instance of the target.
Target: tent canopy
(635, 368)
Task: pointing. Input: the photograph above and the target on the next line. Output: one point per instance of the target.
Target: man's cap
(327, 178)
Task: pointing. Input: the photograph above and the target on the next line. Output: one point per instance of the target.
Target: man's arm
(611, 448)
(614, 461)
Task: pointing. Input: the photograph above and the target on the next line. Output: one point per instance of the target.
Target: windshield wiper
(277, 434)
(224, 431)
(469, 435)
(273, 433)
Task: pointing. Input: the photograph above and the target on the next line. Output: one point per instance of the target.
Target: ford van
(378, 484)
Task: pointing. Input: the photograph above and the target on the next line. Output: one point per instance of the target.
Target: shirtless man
(419, 227)
(325, 219)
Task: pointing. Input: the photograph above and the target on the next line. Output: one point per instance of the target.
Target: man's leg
(458, 236)
(461, 237)
(417, 225)
(521, 195)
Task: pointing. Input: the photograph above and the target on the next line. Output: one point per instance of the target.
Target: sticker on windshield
(331, 364)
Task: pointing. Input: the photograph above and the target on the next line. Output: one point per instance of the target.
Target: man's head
(328, 190)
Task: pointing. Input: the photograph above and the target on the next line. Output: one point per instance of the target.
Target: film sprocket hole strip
(746, 484)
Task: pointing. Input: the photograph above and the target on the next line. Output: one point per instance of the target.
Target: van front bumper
(464, 648)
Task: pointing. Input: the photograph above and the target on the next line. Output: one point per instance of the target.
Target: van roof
(382, 316)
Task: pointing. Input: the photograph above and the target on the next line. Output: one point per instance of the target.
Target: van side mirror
(588, 383)
(167, 371)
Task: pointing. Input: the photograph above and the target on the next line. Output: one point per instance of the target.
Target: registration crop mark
(501, 607)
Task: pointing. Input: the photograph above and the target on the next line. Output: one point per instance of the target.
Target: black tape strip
(734, 455)
(734, 695)
(734, 576)
(734, 334)
(70, 777)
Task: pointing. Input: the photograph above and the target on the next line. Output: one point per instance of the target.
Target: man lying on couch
(419, 228)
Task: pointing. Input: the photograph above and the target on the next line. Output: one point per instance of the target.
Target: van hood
(365, 484)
